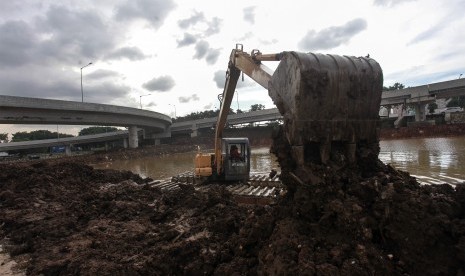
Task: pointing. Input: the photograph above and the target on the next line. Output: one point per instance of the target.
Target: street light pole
(140, 99)
(174, 110)
(82, 91)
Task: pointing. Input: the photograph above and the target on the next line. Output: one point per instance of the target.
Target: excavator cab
(236, 158)
(235, 161)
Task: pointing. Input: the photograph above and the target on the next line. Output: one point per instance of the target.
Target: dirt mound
(70, 219)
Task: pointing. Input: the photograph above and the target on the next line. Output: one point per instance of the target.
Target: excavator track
(259, 189)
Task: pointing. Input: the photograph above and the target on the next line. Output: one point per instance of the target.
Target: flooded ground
(161, 167)
(430, 160)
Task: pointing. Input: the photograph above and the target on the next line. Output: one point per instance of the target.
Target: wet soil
(66, 218)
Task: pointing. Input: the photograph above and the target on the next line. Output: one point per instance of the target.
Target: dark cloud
(60, 85)
(188, 39)
(390, 3)
(191, 21)
(17, 42)
(213, 26)
(102, 74)
(162, 84)
(220, 78)
(249, 14)
(130, 53)
(154, 11)
(201, 49)
(332, 37)
(193, 97)
(74, 35)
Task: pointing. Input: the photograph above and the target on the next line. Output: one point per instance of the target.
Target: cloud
(130, 53)
(332, 37)
(154, 11)
(390, 3)
(17, 42)
(198, 22)
(201, 49)
(193, 97)
(188, 39)
(212, 56)
(220, 78)
(191, 21)
(162, 84)
(70, 36)
(213, 26)
(249, 14)
(102, 74)
(63, 86)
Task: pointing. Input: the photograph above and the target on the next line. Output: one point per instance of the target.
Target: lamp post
(140, 99)
(174, 110)
(82, 91)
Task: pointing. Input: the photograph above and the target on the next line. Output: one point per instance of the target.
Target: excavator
(329, 105)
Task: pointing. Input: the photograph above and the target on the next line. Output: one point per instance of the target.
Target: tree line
(214, 113)
(46, 134)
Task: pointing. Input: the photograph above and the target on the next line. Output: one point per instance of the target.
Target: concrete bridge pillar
(420, 112)
(68, 149)
(125, 143)
(133, 139)
(195, 131)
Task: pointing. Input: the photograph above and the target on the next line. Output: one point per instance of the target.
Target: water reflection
(162, 167)
(431, 161)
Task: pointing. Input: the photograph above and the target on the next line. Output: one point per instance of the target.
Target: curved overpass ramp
(23, 110)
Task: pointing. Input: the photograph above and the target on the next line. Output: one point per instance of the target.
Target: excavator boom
(239, 61)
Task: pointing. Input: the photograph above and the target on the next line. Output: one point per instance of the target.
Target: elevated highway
(103, 137)
(420, 96)
(22, 110)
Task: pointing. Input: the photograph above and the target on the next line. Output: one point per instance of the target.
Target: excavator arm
(251, 65)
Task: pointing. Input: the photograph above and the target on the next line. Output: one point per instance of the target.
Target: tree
(396, 86)
(4, 137)
(457, 101)
(36, 135)
(256, 107)
(432, 107)
(96, 130)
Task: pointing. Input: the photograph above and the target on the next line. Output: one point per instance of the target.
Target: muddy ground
(66, 218)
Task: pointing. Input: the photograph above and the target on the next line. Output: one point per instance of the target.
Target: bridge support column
(195, 131)
(157, 142)
(68, 149)
(125, 143)
(133, 139)
(420, 114)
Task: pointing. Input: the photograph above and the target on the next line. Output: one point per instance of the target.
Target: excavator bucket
(330, 104)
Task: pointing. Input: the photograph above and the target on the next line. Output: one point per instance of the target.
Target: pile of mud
(71, 219)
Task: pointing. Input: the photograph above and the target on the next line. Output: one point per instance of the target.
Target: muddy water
(432, 160)
(161, 167)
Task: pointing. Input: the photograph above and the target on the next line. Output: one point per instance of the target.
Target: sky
(178, 50)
